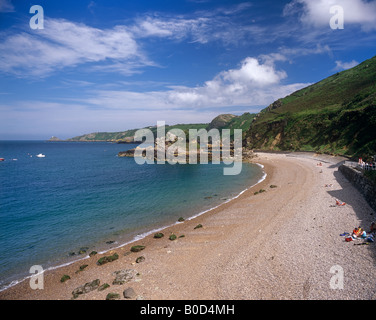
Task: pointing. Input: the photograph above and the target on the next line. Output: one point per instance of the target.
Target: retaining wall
(365, 186)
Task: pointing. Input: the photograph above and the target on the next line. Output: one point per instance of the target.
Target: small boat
(40, 155)
(2, 159)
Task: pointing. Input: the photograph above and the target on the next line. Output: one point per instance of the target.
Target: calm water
(83, 195)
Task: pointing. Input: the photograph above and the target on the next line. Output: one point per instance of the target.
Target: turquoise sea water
(81, 195)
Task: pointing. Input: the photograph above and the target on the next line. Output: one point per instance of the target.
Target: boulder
(137, 248)
(129, 293)
(158, 235)
(87, 287)
(140, 259)
(64, 278)
(113, 296)
(106, 259)
(124, 276)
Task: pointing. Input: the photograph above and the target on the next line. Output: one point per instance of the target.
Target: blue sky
(106, 65)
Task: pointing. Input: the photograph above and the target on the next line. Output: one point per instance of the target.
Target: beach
(283, 243)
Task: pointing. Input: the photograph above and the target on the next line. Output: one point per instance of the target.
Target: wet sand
(283, 243)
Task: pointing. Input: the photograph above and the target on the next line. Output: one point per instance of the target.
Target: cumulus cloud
(317, 13)
(253, 83)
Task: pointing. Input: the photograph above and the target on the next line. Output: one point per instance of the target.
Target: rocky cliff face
(221, 121)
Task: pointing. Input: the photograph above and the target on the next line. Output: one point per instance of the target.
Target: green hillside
(226, 121)
(336, 115)
(229, 121)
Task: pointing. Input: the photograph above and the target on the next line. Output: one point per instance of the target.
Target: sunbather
(340, 203)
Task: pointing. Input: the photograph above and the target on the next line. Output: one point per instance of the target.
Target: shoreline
(278, 244)
(136, 238)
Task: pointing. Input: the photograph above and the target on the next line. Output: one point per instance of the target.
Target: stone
(103, 287)
(64, 278)
(107, 259)
(172, 237)
(129, 293)
(140, 259)
(124, 276)
(198, 226)
(137, 248)
(113, 296)
(158, 235)
(87, 287)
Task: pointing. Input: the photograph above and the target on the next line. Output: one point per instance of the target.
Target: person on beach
(340, 203)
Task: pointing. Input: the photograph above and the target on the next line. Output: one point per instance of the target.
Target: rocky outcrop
(124, 276)
(246, 154)
(127, 140)
(128, 153)
(107, 259)
(220, 121)
(87, 287)
(275, 105)
(54, 139)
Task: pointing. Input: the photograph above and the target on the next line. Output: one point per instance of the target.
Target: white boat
(40, 155)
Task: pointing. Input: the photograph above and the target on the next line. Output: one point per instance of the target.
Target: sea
(82, 197)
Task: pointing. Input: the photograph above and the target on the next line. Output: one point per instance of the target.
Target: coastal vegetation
(224, 121)
(336, 115)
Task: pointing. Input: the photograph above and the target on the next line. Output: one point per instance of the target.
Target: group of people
(368, 165)
(359, 233)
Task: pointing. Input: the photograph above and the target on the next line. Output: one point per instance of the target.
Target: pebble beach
(279, 240)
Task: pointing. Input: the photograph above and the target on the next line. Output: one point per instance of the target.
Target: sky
(76, 67)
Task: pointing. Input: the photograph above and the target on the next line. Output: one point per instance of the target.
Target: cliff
(336, 115)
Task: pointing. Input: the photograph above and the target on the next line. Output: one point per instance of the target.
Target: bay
(81, 196)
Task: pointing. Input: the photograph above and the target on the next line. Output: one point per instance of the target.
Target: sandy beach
(283, 243)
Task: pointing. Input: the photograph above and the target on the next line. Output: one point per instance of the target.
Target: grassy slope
(234, 122)
(336, 115)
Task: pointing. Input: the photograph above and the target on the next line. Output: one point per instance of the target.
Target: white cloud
(317, 13)
(65, 44)
(345, 65)
(201, 27)
(253, 73)
(254, 83)
(62, 44)
(251, 84)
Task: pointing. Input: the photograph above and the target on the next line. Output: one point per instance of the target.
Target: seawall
(366, 187)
